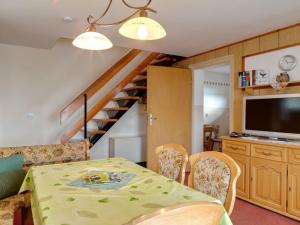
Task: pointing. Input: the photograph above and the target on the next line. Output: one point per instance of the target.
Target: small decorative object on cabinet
(262, 77)
(281, 81)
(270, 173)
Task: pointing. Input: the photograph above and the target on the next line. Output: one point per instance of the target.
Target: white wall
(216, 100)
(197, 111)
(210, 104)
(132, 124)
(35, 84)
(269, 62)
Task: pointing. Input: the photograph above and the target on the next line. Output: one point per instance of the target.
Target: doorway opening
(212, 104)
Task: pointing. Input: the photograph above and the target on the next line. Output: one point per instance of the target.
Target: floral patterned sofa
(38, 155)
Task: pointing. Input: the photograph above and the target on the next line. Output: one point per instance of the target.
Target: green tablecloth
(54, 202)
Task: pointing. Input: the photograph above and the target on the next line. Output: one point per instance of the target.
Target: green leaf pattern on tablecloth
(103, 200)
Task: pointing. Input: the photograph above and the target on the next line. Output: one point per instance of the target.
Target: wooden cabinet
(294, 190)
(270, 173)
(268, 183)
(269, 152)
(294, 156)
(236, 147)
(242, 185)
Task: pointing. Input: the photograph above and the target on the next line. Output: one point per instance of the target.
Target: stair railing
(102, 102)
(97, 85)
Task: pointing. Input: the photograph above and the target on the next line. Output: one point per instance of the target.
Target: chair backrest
(48, 154)
(215, 174)
(171, 160)
(197, 213)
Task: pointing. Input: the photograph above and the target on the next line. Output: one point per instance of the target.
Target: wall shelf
(268, 86)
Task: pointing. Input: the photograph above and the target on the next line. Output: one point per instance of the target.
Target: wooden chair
(207, 137)
(210, 134)
(197, 213)
(171, 160)
(215, 174)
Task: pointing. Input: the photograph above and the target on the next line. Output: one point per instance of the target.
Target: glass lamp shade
(92, 40)
(142, 28)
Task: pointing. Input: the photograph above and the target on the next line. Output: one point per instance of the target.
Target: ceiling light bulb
(142, 28)
(142, 32)
(92, 40)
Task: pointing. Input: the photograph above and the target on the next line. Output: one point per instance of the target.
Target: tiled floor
(245, 213)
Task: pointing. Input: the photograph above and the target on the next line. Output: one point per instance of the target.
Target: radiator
(131, 148)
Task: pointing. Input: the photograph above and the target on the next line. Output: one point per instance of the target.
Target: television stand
(273, 138)
(270, 170)
(270, 139)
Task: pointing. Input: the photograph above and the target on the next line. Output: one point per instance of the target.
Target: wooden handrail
(108, 97)
(97, 85)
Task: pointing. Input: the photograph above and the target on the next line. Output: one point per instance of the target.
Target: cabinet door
(268, 183)
(242, 185)
(294, 190)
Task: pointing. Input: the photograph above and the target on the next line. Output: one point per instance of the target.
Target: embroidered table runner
(56, 202)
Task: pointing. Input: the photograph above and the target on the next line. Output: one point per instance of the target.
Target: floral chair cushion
(212, 176)
(47, 154)
(8, 206)
(170, 162)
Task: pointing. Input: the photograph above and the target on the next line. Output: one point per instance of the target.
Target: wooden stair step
(141, 78)
(106, 120)
(126, 98)
(135, 88)
(116, 109)
(95, 132)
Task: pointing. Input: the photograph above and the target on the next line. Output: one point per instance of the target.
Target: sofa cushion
(12, 162)
(10, 182)
(48, 154)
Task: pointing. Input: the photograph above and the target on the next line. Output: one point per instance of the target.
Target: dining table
(60, 196)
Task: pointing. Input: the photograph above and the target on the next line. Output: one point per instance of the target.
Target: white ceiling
(192, 26)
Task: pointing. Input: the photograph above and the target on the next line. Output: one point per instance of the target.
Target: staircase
(117, 102)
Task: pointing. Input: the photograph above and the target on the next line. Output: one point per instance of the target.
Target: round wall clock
(287, 63)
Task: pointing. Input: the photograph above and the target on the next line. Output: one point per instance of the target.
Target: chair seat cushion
(8, 206)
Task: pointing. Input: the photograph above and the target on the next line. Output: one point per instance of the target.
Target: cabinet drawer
(269, 152)
(294, 156)
(236, 147)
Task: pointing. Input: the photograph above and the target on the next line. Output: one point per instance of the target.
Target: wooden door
(169, 105)
(294, 190)
(242, 185)
(268, 183)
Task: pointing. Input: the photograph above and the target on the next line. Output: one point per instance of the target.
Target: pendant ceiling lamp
(139, 28)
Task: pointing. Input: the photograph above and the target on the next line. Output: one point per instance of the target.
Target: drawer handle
(267, 154)
(234, 148)
(297, 156)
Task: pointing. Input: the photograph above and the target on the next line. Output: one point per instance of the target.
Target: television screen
(281, 115)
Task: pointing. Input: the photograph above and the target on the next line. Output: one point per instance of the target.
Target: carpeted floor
(245, 213)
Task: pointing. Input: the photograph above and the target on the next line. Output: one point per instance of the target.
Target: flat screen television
(275, 116)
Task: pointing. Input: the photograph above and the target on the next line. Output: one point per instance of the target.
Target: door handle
(151, 118)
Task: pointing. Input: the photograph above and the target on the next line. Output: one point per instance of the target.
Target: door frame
(219, 61)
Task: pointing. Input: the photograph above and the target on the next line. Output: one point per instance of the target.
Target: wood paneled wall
(278, 39)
